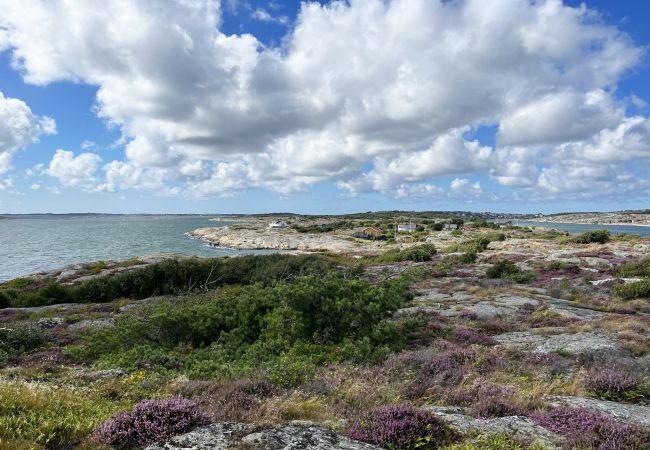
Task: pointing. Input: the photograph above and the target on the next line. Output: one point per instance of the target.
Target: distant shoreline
(616, 224)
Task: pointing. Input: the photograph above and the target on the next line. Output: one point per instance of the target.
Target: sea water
(34, 243)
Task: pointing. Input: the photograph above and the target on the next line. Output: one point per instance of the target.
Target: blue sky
(318, 113)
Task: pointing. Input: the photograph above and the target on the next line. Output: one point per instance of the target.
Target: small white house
(406, 227)
(278, 224)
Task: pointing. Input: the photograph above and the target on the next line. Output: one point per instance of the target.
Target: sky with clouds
(323, 107)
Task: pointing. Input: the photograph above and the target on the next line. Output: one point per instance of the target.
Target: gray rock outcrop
(518, 426)
(224, 436)
(583, 342)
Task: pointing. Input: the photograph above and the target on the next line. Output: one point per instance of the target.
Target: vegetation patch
(637, 289)
(585, 428)
(50, 418)
(149, 421)
(614, 384)
(286, 330)
(401, 427)
(639, 268)
(508, 270)
(476, 245)
(174, 277)
(590, 237)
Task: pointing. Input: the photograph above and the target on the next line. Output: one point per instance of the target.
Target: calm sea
(581, 228)
(35, 243)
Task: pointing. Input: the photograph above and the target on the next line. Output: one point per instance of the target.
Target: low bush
(613, 384)
(287, 330)
(590, 237)
(560, 265)
(401, 427)
(585, 428)
(476, 245)
(174, 277)
(639, 268)
(18, 283)
(630, 291)
(149, 421)
(508, 270)
(21, 339)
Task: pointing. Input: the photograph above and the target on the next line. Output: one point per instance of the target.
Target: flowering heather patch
(230, 402)
(585, 428)
(401, 426)
(463, 335)
(492, 400)
(149, 421)
(487, 400)
(496, 326)
(496, 406)
(613, 384)
(446, 369)
(408, 360)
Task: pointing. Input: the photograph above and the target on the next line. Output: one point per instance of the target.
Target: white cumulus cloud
(75, 171)
(19, 127)
(373, 95)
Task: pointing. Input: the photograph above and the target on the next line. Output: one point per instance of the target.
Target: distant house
(406, 227)
(450, 226)
(372, 233)
(278, 224)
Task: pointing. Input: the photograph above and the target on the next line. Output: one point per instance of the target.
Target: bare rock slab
(517, 426)
(623, 412)
(223, 436)
(583, 342)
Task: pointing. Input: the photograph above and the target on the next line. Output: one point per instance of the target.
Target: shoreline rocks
(285, 239)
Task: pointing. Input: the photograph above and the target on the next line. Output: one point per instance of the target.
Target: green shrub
(508, 270)
(630, 291)
(418, 253)
(20, 339)
(591, 237)
(482, 223)
(18, 283)
(5, 299)
(238, 329)
(96, 267)
(173, 277)
(53, 293)
(639, 268)
(476, 245)
(559, 265)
